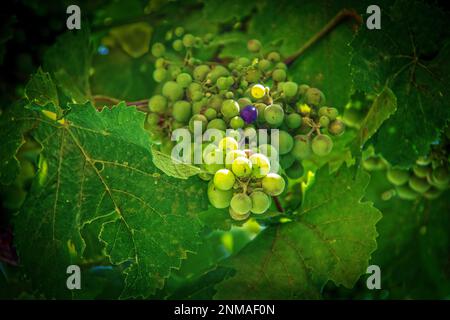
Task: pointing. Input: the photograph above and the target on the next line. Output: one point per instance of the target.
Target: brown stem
(278, 204)
(342, 15)
(141, 105)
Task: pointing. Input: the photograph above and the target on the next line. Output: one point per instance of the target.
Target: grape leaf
(41, 89)
(173, 167)
(98, 165)
(409, 55)
(331, 239)
(224, 11)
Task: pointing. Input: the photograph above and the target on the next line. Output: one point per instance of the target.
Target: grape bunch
(238, 98)
(428, 178)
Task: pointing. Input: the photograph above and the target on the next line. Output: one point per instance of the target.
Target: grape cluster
(238, 97)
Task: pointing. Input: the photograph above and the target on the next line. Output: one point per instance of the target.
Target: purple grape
(249, 114)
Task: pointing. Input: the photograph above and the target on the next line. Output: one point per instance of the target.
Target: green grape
(237, 122)
(169, 35)
(290, 89)
(281, 65)
(302, 147)
(274, 56)
(181, 111)
(241, 203)
(432, 193)
(268, 150)
(287, 160)
(243, 62)
(158, 49)
(198, 42)
(199, 106)
(172, 90)
(217, 72)
(238, 217)
(441, 176)
(406, 193)
(210, 114)
(330, 113)
(177, 125)
(241, 167)
(215, 102)
(230, 108)
(198, 118)
(321, 145)
(423, 161)
(220, 199)
(324, 121)
(229, 95)
(184, 79)
(336, 127)
(397, 177)
(264, 64)
(273, 184)
(260, 107)
(179, 31)
(218, 124)
(196, 96)
(177, 45)
(295, 171)
(260, 165)
(152, 119)
(260, 202)
(231, 156)
(274, 115)
(243, 102)
(188, 40)
(417, 184)
(421, 171)
(224, 179)
(228, 144)
(286, 142)
(253, 76)
(373, 164)
(160, 63)
(214, 160)
(200, 72)
(279, 75)
(234, 134)
(254, 45)
(302, 89)
(166, 146)
(223, 83)
(174, 71)
(243, 84)
(157, 104)
(315, 97)
(208, 37)
(160, 74)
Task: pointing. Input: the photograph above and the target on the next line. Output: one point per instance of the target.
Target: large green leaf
(98, 165)
(331, 238)
(409, 55)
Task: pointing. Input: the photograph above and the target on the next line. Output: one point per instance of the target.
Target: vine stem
(140, 104)
(342, 15)
(278, 204)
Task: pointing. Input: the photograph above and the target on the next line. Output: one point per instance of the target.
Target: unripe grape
(286, 142)
(254, 45)
(243, 61)
(315, 97)
(421, 171)
(302, 147)
(228, 144)
(182, 111)
(167, 146)
(160, 63)
(177, 45)
(264, 65)
(432, 193)
(295, 171)
(223, 83)
(287, 160)
(157, 103)
(253, 75)
(423, 161)
(260, 165)
(160, 74)
(336, 127)
(241, 203)
(236, 216)
(274, 115)
(237, 122)
(218, 124)
(417, 184)
(198, 118)
(273, 184)
(158, 49)
(406, 193)
(397, 177)
(281, 65)
(215, 102)
(302, 89)
(268, 150)
(324, 121)
(258, 91)
(172, 90)
(293, 120)
(184, 79)
(198, 106)
(330, 113)
(241, 167)
(210, 113)
(260, 202)
(231, 156)
(441, 175)
(321, 145)
(224, 179)
(177, 125)
(230, 108)
(200, 72)
(217, 72)
(229, 95)
(152, 119)
(179, 31)
(188, 40)
(205, 176)
(274, 56)
(279, 75)
(214, 160)
(220, 199)
(290, 89)
(243, 102)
